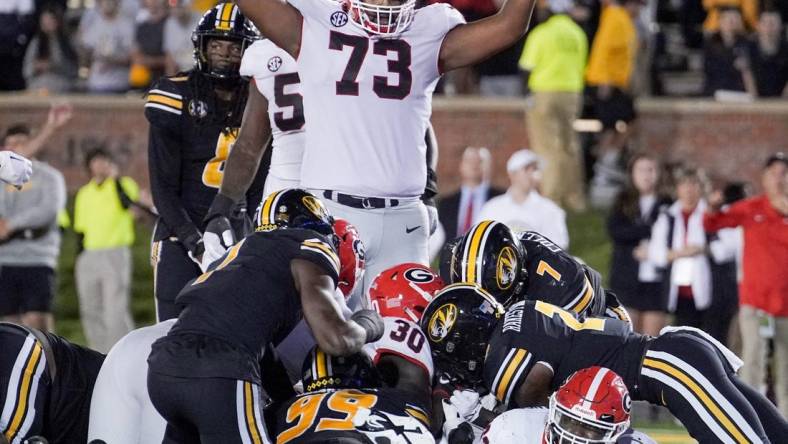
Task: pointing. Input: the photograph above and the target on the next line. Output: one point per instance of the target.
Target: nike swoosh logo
(411, 230)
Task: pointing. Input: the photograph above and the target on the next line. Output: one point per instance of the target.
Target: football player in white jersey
(368, 70)
(278, 89)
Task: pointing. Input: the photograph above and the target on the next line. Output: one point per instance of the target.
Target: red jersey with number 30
(368, 99)
(405, 339)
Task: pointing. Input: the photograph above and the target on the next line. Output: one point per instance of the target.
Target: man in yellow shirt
(609, 74)
(555, 57)
(105, 224)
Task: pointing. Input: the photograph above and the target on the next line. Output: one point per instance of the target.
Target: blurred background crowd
(674, 258)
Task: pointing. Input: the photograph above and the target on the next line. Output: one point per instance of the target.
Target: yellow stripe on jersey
(164, 100)
(585, 300)
(418, 414)
(712, 408)
(23, 398)
(320, 360)
(178, 79)
(332, 256)
(512, 367)
(473, 250)
(251, 422)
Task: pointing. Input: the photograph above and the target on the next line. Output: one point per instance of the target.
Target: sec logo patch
(339, 19)
(274, 63)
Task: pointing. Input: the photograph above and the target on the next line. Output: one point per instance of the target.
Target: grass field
(587, 236)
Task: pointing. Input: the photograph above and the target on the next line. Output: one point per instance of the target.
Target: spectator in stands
(17, 25)
(104, 222)
(51, 62)
(679, 245)
(769, 56)
(178, 46)
(522, 207)
(726, 62)
(147, 55)
(555, 58)
(29, 236)
(609, 74)
(714, 10)
(105, 46)
(459, 211)
(764, 288)
(633, 278)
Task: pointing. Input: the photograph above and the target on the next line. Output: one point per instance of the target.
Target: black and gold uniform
(191, 133)
(46, 383)
(206, 371)
(345, 401)
(553, 274)
(682, 370)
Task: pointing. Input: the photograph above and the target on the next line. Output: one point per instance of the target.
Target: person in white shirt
(522, 207)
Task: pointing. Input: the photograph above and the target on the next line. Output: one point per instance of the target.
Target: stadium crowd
(687, 251)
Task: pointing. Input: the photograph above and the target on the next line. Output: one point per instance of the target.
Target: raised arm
(472, 43)
(277, 20)
(335, 335)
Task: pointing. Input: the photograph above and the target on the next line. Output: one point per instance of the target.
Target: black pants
(208, 410)
(172, 270)
(687, 374)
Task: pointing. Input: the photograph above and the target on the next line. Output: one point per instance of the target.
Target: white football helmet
(386, 19)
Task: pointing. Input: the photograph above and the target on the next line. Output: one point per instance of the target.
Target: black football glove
(370, 321)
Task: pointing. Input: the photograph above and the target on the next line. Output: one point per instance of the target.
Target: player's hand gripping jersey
(275, 75)
(537, 332)
(368, 99)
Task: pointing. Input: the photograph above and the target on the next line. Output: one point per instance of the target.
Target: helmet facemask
(379, 19)
(573, 426)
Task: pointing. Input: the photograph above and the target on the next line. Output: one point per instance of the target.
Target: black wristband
(221, 206)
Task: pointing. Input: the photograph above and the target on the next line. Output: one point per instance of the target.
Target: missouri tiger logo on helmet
(459, 322)
(491, 256)
(442, 322)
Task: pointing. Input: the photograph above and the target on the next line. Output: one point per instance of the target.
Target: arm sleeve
(79, 216)
(51, 199)
(530, 54)
(130, 187)
(733, 217)
(164, 158)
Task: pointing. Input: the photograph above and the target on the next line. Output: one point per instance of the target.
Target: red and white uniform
(405, 339)
(275, 75)
(368, 99)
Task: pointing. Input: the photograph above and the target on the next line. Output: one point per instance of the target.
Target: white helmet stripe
(589, 397)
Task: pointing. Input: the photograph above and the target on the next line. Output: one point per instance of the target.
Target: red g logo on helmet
(351, 256)
(403, 291)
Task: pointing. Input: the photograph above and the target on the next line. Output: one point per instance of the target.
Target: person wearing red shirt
(764, 287)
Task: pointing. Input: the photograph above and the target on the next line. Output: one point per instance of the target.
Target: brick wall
(731, 141)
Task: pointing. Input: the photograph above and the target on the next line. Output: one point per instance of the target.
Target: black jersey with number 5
(245, 301)
(535, 331)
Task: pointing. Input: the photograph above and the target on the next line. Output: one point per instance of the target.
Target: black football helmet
(458, 323)
(490, 255)
(323, 371)
(293, 208)
(226, 22)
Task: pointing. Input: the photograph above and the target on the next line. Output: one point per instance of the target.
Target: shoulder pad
(164, 102)
(439, 18)
(254, 60)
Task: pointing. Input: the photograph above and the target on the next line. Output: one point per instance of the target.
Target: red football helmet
(591, 407)
(351, 256)
(404, 290)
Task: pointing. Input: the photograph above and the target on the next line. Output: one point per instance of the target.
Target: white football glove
(467, 404)
(14, 169)
(451, 417)
(217, 239)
